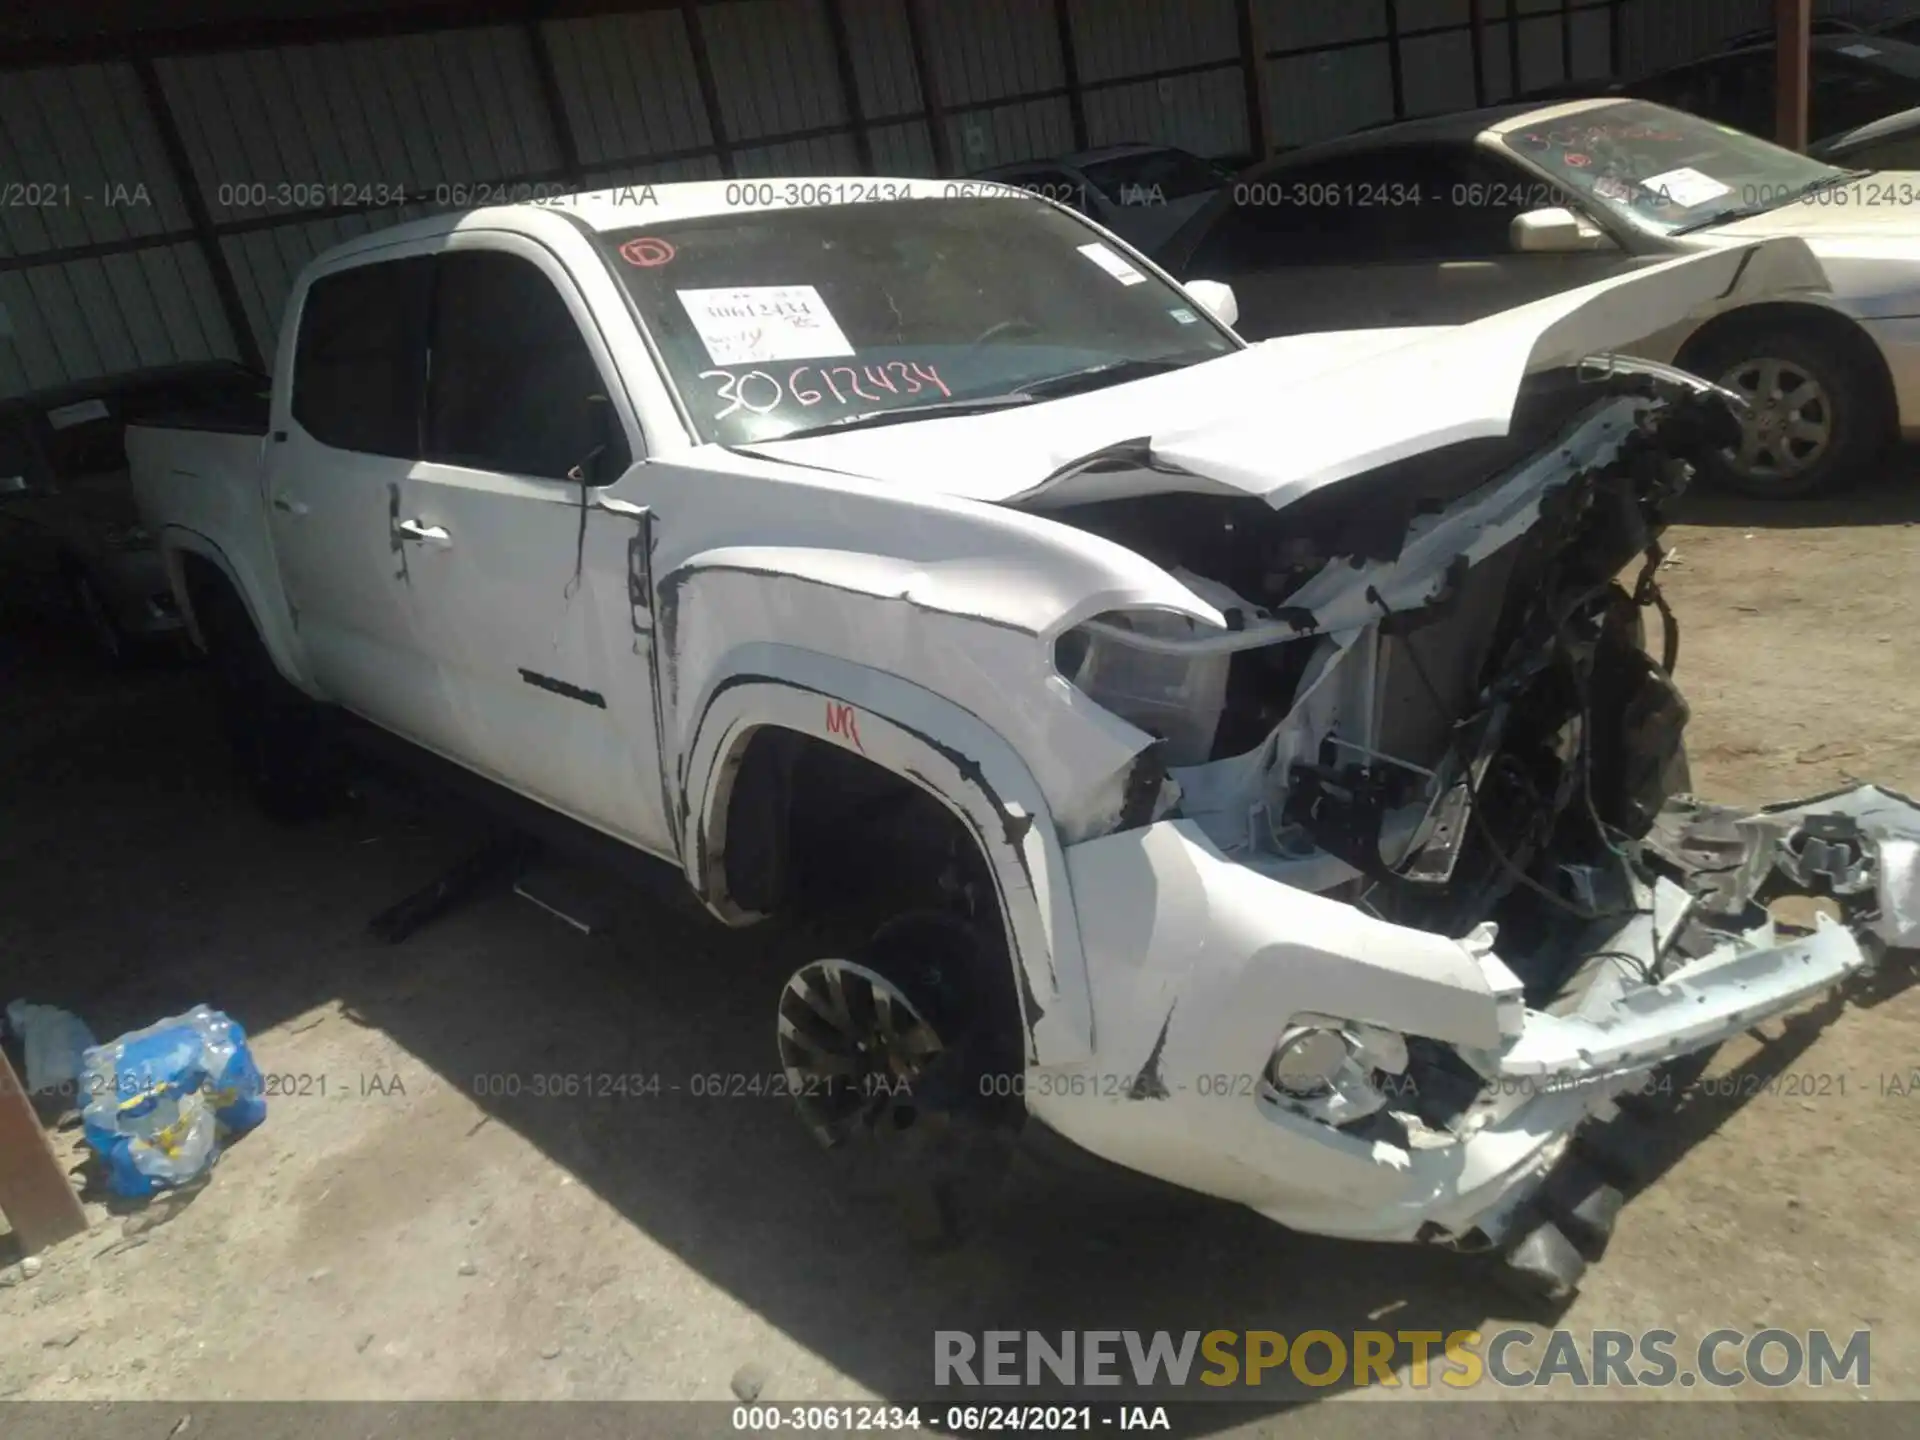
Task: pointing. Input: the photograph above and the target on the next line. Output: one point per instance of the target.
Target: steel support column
(1794, 20)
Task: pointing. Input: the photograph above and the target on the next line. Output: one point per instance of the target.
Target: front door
(519, 572)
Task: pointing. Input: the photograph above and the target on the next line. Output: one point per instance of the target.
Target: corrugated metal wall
(1314, 91)
(282, 141)
(1202, 109)
(107, 263)
(81, 170)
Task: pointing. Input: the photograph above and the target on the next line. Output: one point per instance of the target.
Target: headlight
(1177, 698)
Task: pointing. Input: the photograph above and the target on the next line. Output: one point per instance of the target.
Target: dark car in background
(1142, 193)
(69, 530)
(1853, 80)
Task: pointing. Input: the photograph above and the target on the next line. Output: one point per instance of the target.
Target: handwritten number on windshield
(759, 393)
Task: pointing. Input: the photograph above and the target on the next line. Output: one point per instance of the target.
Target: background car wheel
(1818, 416)
(90, 608)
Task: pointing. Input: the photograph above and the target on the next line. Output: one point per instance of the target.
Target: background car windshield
(1162, 174)
(786, 319)
(1661, 169)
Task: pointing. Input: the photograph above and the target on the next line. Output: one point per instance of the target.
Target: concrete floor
(397, 1229)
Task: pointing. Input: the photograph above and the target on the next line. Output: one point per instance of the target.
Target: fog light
(1306, 1063)
(1325, 1074)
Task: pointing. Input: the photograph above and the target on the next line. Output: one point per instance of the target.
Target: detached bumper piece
(1860, 846)
(1570, 1219)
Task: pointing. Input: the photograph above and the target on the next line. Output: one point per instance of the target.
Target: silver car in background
(1445, 220)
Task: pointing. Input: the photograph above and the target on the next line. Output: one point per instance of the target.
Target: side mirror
(1216, 298)
(602, 424)
(1555, 231)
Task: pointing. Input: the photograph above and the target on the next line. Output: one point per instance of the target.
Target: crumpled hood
(1288, 416)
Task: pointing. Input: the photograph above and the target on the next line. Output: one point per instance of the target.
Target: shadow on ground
(138, 882)
(1890, 497)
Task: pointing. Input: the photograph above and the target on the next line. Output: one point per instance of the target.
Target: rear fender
(259, 591)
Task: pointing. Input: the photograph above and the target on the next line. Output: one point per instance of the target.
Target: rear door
(520, 579)
(343, 439)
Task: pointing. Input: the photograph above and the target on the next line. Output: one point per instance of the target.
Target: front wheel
(891, 1056)
(1815, 419)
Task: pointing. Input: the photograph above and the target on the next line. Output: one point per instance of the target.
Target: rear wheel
(276, 733)
(1817, 416)
(90, 608)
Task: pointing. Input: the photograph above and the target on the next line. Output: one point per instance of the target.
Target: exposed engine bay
(1481, 743)
(1444, 697)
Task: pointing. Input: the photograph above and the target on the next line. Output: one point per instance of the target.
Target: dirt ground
(398, 1229)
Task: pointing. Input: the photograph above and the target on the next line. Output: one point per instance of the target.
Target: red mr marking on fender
(844, 721)
(647, 252)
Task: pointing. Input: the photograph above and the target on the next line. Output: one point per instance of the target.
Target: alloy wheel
(1789, 427)
(853, 1044)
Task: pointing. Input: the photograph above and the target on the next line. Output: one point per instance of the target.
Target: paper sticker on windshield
(764, 322)
(1685, 187)
(1184, 316)
(1112, 263)
(1611, 187)
(67, 416)
(1859, 52)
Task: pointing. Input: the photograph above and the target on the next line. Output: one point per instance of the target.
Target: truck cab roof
(623, 207)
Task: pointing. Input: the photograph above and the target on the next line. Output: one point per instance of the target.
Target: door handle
(289, 504)
(422, 534)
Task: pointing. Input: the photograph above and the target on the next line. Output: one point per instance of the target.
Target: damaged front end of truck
(1411, 892)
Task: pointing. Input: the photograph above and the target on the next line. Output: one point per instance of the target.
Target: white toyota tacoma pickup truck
(1265, 765)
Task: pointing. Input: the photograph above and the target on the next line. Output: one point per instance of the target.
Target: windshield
(777, 321)
(1160, 174)
(1664, 170)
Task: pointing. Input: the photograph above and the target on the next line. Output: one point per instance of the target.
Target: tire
(90, 609)
(940, 1148)
(275, 733)
(1837, 430)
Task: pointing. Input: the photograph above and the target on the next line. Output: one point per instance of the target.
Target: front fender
(934, 744)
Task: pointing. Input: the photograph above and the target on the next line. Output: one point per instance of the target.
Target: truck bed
(198, 484)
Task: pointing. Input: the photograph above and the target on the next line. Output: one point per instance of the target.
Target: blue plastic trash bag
(160, 1100)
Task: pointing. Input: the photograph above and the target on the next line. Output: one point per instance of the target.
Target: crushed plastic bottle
(161, 1100)
(55, 1042)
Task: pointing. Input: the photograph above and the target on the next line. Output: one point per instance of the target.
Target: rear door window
(360, 357)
